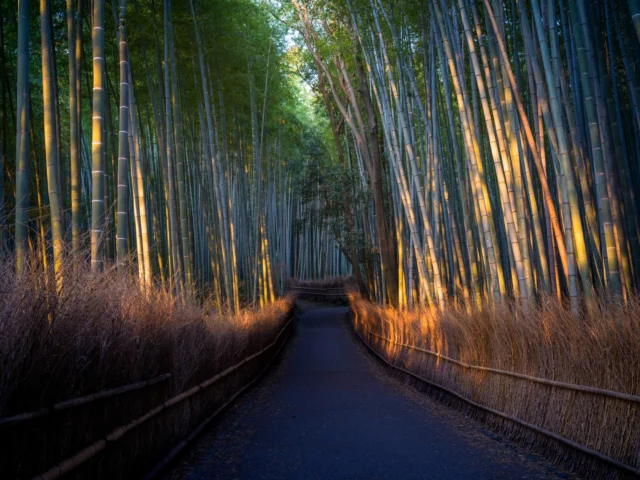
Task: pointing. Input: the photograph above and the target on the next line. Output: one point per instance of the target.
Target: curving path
(329, 411)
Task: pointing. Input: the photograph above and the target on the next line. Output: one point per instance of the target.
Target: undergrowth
(102, 331)
(600, 348)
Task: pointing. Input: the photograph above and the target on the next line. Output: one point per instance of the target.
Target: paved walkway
(328, 411)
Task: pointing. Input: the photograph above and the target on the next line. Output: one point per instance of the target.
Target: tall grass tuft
(102, 332)
(599, 349)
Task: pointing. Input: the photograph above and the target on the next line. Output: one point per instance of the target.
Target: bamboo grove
(499, 141)
(166, 151)
(474, 150)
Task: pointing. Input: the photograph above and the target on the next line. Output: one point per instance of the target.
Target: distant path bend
(329, 412)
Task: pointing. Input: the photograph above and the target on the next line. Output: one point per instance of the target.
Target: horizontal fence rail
(78, 401)
(322, 292)
(319, 289)
(544, 381)
(90, 451)
(594, 453)
(180, 446)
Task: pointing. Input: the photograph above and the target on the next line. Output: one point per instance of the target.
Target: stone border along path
(328, 410)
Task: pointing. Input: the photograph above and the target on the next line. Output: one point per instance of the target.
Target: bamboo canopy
(508, 139)
(465, 150)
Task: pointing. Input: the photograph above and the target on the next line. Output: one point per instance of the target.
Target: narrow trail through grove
(329, 411)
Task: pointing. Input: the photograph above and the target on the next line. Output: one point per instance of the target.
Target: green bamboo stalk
(74, 127)
(141, 192)
(98, 139)
(171, 200)
(51, 147)
(123, 143)
(22, 138)
(179, 157)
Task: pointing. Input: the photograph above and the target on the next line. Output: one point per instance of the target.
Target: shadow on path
(327, 412)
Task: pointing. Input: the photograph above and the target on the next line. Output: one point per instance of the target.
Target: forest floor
(329, 410)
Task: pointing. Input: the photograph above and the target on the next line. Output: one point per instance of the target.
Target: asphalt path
(329, 410)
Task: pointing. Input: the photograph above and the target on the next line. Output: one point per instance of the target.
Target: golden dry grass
(600, 349)
(103, 332)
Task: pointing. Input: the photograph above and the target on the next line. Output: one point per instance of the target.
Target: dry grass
(102, 332)
(600, 349)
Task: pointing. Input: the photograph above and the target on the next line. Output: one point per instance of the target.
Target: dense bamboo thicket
(467, 149)
(169, 149)
(498, 141)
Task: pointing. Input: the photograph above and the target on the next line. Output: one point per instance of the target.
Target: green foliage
(332, 195)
